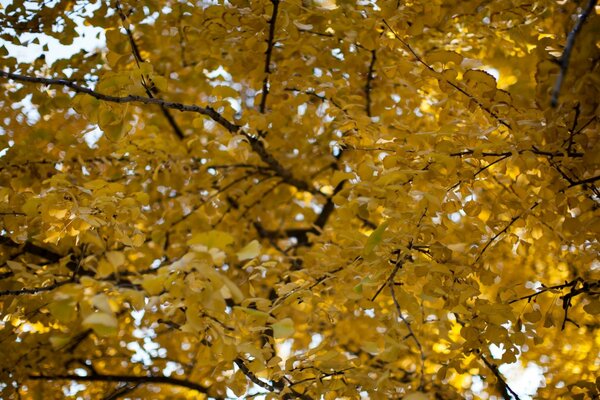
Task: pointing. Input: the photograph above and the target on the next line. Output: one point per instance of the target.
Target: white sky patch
(90, 38)
(524, 380)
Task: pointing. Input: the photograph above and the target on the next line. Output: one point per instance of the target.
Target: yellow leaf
(233, 289)
(225, 91)
(103, 303)
(153, 284)
(339, 176)
(212, 239)
(58, 342)
(593, 307)
(116, 258)
(64, 310)
(444, 56)
(283, 328)
(251, 250)
(103, 324)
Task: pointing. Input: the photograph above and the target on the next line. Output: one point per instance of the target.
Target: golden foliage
(300, 199)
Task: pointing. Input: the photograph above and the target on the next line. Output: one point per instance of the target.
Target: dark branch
(123, 379)
(275, 387)
(33, 249)
(242, 366)
(328, 207)
(397, 266)
(48, 288)
(566, 55)
(493, 239)
(585, 181)
(269, 53)
(368, 85)
(506, 390)
(255, 143)
(149, 88)
(208, 111)
(533, 150)
(544, 290)
(411, 333)
(301, 234)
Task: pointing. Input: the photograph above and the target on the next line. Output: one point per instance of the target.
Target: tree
(305, 199)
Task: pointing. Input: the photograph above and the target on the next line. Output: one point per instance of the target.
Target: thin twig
(512, 221)
(411, 333)
(454, 85)
(123, 378)
(269, 53)
(242, 366)
(399, 263)
(368, 85)
(138, 60)
(566, 55)
(506, 390)
(36, 290)
(256, 143)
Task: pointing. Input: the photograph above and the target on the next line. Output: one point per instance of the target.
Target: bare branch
(512, 221)
(149, 88)
(37, 290)
(368, 85)
(33, 249)
(397, 266)
(256, 143)
(506, 390)
(269, 53)
(242, 366)
(411, 333)
(566, 55)
(124, 379)
(208, 111)
(584, 181)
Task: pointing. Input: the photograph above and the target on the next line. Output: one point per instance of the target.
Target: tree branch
(585, 181)
(256, 143)
(242, 366)
(31, 248)
(275, 387)
(369, 83)
(123, 379)
(506, 390)
(268, 53)
(139, 59)
(454, 85)
(411, 333)
(48, 288)
(208, 111)
(566, 55)
(512, 221)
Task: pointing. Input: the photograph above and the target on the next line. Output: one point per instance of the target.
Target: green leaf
(375, 238)
(283, 329)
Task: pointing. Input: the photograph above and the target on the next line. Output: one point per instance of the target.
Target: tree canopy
(309, 199)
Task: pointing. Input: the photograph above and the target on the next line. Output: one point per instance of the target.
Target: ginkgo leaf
(251, 250)
(444, 56)
(593, 307)
(212, 239)
(103, 324)
(320, 198)
(283, 328)
(375, 238)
